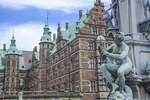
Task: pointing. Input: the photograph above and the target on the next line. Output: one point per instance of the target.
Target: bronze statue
(117, 64)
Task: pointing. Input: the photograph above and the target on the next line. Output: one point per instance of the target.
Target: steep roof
(27, 55)
(72, 32)
(46, 34)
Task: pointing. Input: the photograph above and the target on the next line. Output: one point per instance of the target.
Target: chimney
(98, 1)
(80, 14)
(67, 26)
(54, 36)
(35, 49)
(4, 47)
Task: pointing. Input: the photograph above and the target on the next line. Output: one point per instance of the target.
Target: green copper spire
(46, 28)
(46, 23)
(13, 49)
(46, 34)
(13, 41)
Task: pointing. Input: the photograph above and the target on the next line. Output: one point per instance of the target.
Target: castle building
(68, 63)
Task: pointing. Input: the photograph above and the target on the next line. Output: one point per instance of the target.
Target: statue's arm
(120, 56)
(110, 47)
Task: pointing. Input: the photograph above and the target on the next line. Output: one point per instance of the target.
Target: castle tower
(12, 68)
(46, 44)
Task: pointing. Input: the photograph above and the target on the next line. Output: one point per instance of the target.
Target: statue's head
(118, 38)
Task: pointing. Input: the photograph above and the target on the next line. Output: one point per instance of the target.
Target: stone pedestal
(20, 96)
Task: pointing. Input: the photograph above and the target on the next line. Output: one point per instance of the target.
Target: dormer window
(70, 36)
(22, 66)
(30, 61)
(77, 28)
(96, 10)
(77, 23)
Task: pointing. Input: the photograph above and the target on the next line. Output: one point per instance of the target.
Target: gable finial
(13, 41)
(13, 34)
(46, 23)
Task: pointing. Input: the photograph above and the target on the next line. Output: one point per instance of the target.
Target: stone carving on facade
(117, 65)
(112, 19)
(144, 27)
(114, 12)
(146, 7)
(108, 20)
(147, 68)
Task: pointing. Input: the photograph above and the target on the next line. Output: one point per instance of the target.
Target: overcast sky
(27, 17)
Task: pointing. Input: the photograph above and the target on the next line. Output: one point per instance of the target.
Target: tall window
(73, 63)
(93, 86)
(93, 21)
(94, 30)
(103, 31)
(91, 63)
(91, 45)
(1, 85)
(65, 52)
(1, 74)
(98, 62)
(102, 86)
(99, 31)
(59, 70)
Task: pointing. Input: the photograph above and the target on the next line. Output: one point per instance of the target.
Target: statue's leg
(106, 73)
(122, 71)
(112, 68)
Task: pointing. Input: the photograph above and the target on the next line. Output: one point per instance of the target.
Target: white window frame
(93, 88)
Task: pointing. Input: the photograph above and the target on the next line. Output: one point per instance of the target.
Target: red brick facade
(12, 73)
(74, 67)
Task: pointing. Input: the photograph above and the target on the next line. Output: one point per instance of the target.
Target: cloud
(106, 1)
(27, 35)
(65, 5)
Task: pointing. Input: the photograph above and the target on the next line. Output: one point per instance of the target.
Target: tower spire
(13, 41)
(46, 34)
(98, 2)
(46, 23)
(13, 35)
(46, 28)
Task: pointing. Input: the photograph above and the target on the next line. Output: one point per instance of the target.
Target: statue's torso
(118, 50)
